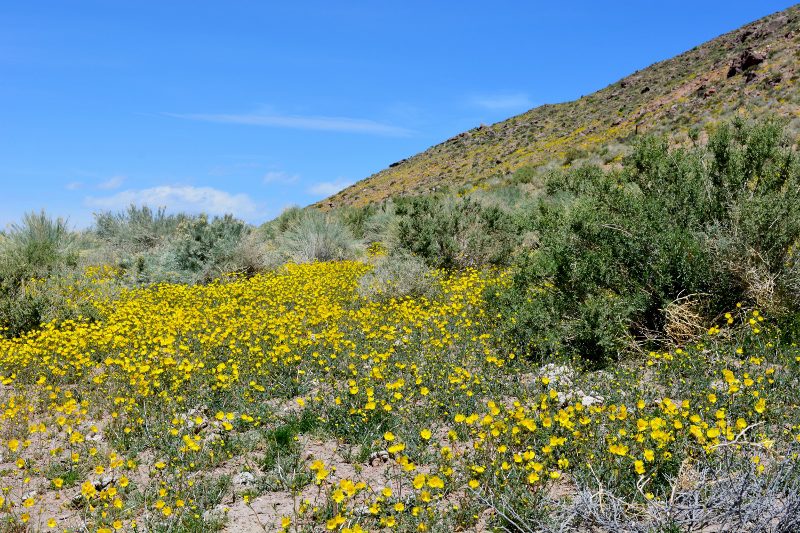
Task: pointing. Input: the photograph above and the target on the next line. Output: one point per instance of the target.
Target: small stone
(380, 456)
(213, 514)
(77, 501)
(589, 400)
(244, 478)
(104, 481)
(362, 510)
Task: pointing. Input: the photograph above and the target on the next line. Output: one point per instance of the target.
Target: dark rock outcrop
(748, 59)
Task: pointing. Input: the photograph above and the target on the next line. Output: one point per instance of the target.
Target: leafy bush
(204, 250)
(615, 248)
(276, 227)
(36, 248)
(136, 230)
(357, 218)
(453, 233)
(153, 246)
(316, 236)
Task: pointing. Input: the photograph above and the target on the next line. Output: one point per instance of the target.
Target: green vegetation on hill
(708, 226)
(601, 259)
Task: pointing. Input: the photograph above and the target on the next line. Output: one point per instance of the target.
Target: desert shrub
(36, 248)
(453, 233)
(65, 295)
(274, 228)
(525, 174)
(756, 175)
(356, 218)
(605, 261)
(505, 197)
(316, 236)
(743, 192)
(137, 229)
(397, 276)
(381, 224)
(205, 249)
(152, 246)
(251, 254)
(20, 313)
(614, 249)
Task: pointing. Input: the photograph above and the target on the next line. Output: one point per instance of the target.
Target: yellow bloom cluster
(173, 381)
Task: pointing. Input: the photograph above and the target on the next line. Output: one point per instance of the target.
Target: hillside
(752, 71)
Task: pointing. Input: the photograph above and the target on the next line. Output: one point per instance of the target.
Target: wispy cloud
(114, 182)
(317, 123)
(328, 188)
(279, 176)
(502, 101)
(179, 198)
(74, 185)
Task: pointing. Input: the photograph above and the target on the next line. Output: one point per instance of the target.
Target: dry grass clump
(684, 321)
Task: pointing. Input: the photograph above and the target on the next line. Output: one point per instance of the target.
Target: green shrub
(356, 218)
(206, 249)
(381, 223)
(274, 228)
(453, 233)
(36, 248)
(137, 229)
(615, 248)
(152, 246)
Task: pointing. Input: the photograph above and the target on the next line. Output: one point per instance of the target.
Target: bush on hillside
(356, 218)
(274, 228)
(152, 246)
(616, 248)
(34, 248)
(453, 233)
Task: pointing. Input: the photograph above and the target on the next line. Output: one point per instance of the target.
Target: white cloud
(114, 182)
(317, 123)
(328, 188)
(279, 176)
(74, 185)
(502, 101)
(179, 198)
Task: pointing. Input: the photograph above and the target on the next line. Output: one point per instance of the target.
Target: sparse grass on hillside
(678, 97)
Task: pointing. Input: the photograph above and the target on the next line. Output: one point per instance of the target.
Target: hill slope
(751, 71)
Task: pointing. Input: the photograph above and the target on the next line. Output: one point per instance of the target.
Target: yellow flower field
(286, 401)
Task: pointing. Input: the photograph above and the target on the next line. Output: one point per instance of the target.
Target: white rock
(381, 456)
(590, 400)
(560, 374)
(243, 478)
(213, 514)
(104, 481)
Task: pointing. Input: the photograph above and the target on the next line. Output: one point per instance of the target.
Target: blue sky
(248, 107)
